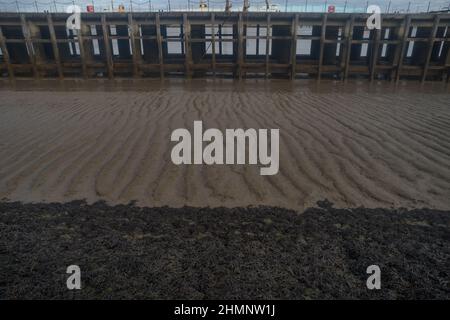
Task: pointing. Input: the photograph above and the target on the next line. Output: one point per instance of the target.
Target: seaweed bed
(125, 251)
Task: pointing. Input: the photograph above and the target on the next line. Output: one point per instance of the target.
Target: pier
(218, 44)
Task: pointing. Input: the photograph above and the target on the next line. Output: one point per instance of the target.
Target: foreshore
(129, 252)
(355, 144)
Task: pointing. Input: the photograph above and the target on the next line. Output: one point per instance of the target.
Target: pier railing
(338, 6)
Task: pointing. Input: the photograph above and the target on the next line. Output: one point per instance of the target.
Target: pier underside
(215, 44)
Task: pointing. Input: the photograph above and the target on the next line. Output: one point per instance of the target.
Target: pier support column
(400, 51)
(431, 42)
(346, 52)
(135, 46)
(268, 34)
(240, 51)
(160, 46)
(39, 52)
(187, 46)
(5, 53)
(375, 53)
(322, 45)
(213, 43)
(294, 46)
(107, 44)
(55, 48)
(30, 49)
(447, 63)
(86, 49)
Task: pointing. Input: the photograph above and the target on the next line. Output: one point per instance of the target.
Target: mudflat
(377, 146)
(128, 252)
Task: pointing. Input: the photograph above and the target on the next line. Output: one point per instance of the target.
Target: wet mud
(125, 251)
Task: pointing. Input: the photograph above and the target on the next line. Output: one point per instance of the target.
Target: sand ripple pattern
(361, 148)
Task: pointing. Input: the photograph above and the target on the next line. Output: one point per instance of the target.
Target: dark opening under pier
(219, 44)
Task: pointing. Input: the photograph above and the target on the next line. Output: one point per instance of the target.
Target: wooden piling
(160, 46)
(322, 45)
(404, 32)
(33, 50)
(294, 46)
(213, 43)
(268, 39)
(240, 59)
(431, 42)
(6, 57)
(348, 34)
(29, 44)
(108, 54)
(135, 45)
(375, 53)
(55, 48)
(187, 46)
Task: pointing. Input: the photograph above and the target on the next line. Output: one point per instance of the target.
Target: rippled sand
(357, 145)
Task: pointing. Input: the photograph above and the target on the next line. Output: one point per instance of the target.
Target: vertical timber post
(29, 44)
(38, 47)
(345, 61)
(401, 52)
(322, 45)
(447, 66)
(213, 43)
(86, 48)
(108, 55)
(268, 39)
(82, 51)
(187, 46)
(431, 41)
(56, 55)
(135, 45)
(294, 46)
(240, 46)
(375, 49)
(6, 57)
(160, 47)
